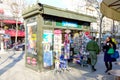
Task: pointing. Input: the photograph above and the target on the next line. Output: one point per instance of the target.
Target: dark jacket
(107, 57)
(92, 46)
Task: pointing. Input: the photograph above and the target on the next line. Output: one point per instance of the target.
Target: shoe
(93, 69)
(107, 70)
(108, 73)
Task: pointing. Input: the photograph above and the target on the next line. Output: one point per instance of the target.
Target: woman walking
(107, 57)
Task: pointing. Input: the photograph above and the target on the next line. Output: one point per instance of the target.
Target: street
(12, 67)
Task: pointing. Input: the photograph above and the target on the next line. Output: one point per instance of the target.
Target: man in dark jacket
(93, 49)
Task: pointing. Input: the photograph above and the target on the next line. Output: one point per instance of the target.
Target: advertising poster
(32, 39)
(31, 30)
(47, 51)
(48, 59)
(57, 42)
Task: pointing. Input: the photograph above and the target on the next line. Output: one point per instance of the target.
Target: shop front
(50, 32)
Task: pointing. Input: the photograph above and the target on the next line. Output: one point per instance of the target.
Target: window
(48, 21)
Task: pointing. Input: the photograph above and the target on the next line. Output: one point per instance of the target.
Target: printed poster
(57, 42)
(47, 51)
(48, 59)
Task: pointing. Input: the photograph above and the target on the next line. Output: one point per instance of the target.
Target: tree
(15, 11)
(96, 5)
(17, 7)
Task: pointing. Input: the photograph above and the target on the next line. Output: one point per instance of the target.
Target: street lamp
(2, 42)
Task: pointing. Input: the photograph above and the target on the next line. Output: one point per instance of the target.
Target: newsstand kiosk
(45, 28)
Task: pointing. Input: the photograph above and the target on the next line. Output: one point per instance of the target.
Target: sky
(56, 3)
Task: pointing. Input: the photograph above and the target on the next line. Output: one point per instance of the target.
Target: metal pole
(1, 36)
(1, 22)
(2, 44)
(1, 15)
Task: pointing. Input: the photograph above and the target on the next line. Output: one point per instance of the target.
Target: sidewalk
(14, 68)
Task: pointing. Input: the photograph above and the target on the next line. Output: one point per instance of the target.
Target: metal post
(1, 22)
(1, 15)
(2, 44)
(2, 32)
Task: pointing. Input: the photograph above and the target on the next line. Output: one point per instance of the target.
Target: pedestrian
(93, 49)
(107, 57)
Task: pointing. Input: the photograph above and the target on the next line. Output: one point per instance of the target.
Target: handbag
(115, 55)
(110, 51)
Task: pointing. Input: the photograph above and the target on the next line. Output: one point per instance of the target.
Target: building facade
(8, 23)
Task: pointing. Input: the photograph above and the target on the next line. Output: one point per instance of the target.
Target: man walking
(93, 49)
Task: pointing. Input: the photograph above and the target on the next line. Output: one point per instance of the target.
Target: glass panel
(31, 54)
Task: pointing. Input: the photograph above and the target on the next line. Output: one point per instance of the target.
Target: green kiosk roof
(54, 11)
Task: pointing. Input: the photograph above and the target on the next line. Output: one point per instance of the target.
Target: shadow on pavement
(79, 67)
(88, 75)
(97, 75)
(6, 59)
(10, 65)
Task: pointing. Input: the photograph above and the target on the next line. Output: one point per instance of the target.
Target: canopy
(12, 33)
(11, 22)
(111, 9)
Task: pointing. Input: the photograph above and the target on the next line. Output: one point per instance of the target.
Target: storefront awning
(12, 33)
(11, 22)
(111, 9)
